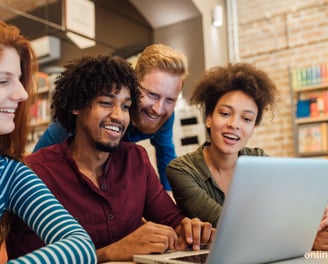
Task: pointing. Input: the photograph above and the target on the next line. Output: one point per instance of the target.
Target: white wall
(215, 39)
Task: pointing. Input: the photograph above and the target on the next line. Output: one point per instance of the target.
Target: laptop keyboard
(199, 259)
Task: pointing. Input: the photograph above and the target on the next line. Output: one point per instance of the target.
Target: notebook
(271, 213)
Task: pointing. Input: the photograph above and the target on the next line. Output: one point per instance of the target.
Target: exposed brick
(279, 35)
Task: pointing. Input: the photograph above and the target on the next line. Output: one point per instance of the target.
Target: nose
(117, 113)
(19, 93)
(234, 121)
(158, 107)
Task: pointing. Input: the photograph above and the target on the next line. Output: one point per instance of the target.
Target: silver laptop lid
(272, 211)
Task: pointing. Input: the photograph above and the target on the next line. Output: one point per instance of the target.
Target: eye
(225, 114)
(248, 119)
(126, 107)
(170, 101)
(106, 103)
(4, 82)
(153, 96)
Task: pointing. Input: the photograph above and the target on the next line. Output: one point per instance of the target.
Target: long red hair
(13, 144)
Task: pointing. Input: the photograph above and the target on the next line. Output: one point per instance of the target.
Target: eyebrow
(111, 94)
(10, 74)
(150, 91)
(145, 89)
(245, 111)
(6, 73)
(249, 111)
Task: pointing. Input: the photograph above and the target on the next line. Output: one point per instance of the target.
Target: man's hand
(194, 233)
(321, 240)
(148, 238)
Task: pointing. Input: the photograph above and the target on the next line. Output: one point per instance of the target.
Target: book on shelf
(309, 76)
(313, 138)
(40, 111)
(313, 104)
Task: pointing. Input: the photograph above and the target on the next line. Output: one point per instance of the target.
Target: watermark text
(316, 255)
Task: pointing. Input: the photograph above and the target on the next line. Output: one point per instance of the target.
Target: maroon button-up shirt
(129, 190)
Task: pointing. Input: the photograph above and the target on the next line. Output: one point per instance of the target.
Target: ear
(208, 121)
(75, 112)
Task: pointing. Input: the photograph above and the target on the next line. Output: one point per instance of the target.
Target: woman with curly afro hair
(233, 99)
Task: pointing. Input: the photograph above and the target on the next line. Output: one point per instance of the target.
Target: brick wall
(276, 35)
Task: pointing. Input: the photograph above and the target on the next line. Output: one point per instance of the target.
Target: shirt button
(103, 187)
(110, 216)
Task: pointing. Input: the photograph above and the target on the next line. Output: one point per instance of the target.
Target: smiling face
(232, 122)
(12, 91)
(103, 124)
(159, 93)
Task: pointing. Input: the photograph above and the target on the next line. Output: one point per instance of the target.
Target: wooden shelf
(307, 120)
(40, 112)
(44, 89)
(310, 133)
(312, 88)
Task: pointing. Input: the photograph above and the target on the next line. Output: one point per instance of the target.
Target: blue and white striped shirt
(23, 193)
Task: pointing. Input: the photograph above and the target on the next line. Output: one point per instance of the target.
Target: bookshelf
(40, 109)
(309, 98)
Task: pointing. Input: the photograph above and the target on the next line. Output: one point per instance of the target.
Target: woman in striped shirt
(21, 191)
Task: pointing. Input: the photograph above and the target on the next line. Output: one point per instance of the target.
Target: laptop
(271, 213)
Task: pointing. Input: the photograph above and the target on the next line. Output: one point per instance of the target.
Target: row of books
(40, 111)
(309, 76)
(313, 138)
(313, 105)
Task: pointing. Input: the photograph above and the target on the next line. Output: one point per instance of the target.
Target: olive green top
(194, 189)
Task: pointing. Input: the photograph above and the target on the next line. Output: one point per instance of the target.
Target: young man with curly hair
(161, 72)
(108, 185)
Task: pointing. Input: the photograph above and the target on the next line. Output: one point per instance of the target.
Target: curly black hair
(86, 78)
(217, 81)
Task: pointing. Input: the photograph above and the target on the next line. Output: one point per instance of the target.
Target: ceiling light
(217, 16)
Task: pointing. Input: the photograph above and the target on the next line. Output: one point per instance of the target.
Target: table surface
(118, 262)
